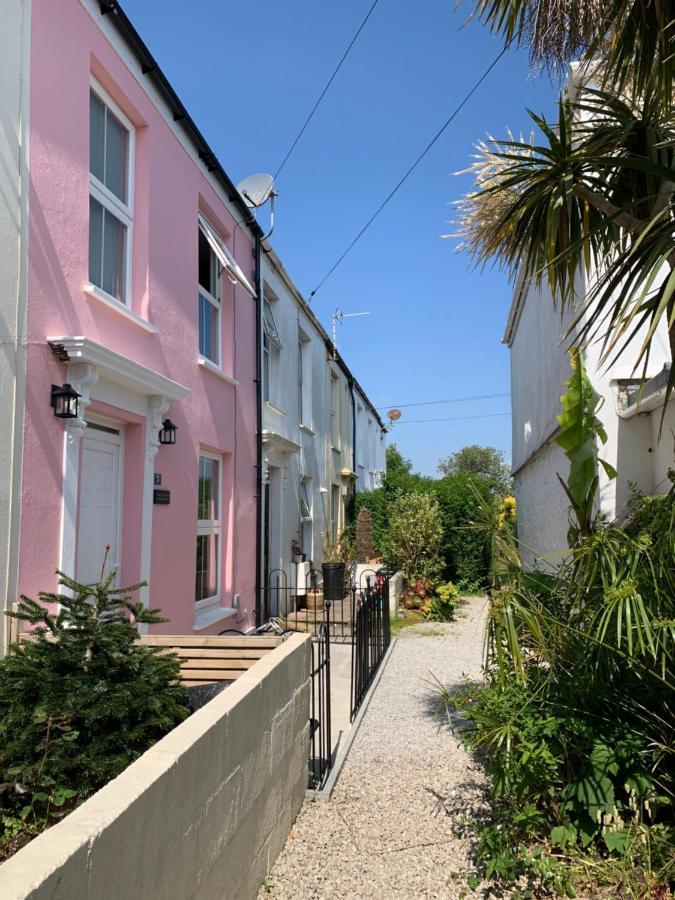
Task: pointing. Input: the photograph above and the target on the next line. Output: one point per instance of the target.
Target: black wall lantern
(65, 401)
(167, 433)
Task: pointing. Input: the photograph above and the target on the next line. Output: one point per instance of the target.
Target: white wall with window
(111, 159)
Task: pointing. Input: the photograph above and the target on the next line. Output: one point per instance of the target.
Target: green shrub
(443, 606)
(576, 723)
(80, 701)
(467, 588)
(415, 533)
(465, 548)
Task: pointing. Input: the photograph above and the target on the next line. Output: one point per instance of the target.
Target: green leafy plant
(580, 432)
(465, 548)
(415, 533)
(81, 699)
(576, 724)
(443, 606)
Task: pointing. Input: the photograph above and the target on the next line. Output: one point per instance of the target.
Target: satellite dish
(256, 190)
(394, 415)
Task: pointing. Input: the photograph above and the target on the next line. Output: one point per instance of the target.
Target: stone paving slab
(387, 832)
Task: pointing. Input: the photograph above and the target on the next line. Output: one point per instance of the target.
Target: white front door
(98, 520)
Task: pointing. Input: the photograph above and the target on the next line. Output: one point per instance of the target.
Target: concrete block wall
(203, 814)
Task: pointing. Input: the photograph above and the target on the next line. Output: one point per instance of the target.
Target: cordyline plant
(634, 37)
(81, 699)
(590, 207)
(580, 433)
(578, 719)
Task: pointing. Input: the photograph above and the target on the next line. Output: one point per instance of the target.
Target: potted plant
(336, 554)
(296, 551)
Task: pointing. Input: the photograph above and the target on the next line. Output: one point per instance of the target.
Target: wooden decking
(210, 659)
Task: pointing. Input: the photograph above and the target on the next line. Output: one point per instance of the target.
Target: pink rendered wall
(66, 49)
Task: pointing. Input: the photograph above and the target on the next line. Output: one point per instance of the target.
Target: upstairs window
(271, 348)
(271, 329)
(335, 410)
(110, 202)
(210, 272)
(304, 381)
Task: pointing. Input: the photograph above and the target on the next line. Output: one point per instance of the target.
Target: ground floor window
(306, 517)
(209, 530)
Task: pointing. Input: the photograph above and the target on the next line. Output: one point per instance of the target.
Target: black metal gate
(320, 739)
(360, 618)
(295, 598)
(372, 635)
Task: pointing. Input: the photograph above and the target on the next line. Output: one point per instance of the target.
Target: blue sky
(250, 72)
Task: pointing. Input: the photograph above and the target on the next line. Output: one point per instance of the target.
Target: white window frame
(227, 260)
(208, 527)
(307, 497)
(216, 302)
(271, 332)
(335, 398)
(335, 500)
(305, 416)
(301, 393)
(112, 204)
(271, 348)
(267, 350)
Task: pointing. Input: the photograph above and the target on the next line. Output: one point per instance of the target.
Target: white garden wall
(203, 814)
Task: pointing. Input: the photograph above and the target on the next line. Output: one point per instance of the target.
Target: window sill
(217, 371)
(274, 409)
(206, 617)
(97, 294)
(308, 429)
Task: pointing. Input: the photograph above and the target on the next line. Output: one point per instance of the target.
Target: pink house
(139, 291)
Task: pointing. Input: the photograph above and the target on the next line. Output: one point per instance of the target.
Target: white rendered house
(636, 446)
(322, 437)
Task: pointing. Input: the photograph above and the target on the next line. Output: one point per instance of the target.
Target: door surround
(105, 432)
(98, 373)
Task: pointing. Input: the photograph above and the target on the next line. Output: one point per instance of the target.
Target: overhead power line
(325, 90)
(412, 168)
(449, 419)
(450, 400)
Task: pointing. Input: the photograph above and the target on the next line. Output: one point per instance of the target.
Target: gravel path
(387, 831)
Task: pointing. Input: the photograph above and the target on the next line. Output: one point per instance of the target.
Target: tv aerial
(256, 191)
(393, 415)
(338, 318)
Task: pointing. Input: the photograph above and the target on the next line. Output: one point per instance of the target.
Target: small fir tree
(365, 544)
(83, 699)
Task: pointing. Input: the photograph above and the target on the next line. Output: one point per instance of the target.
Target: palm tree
(636, 36)
(597, 193)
